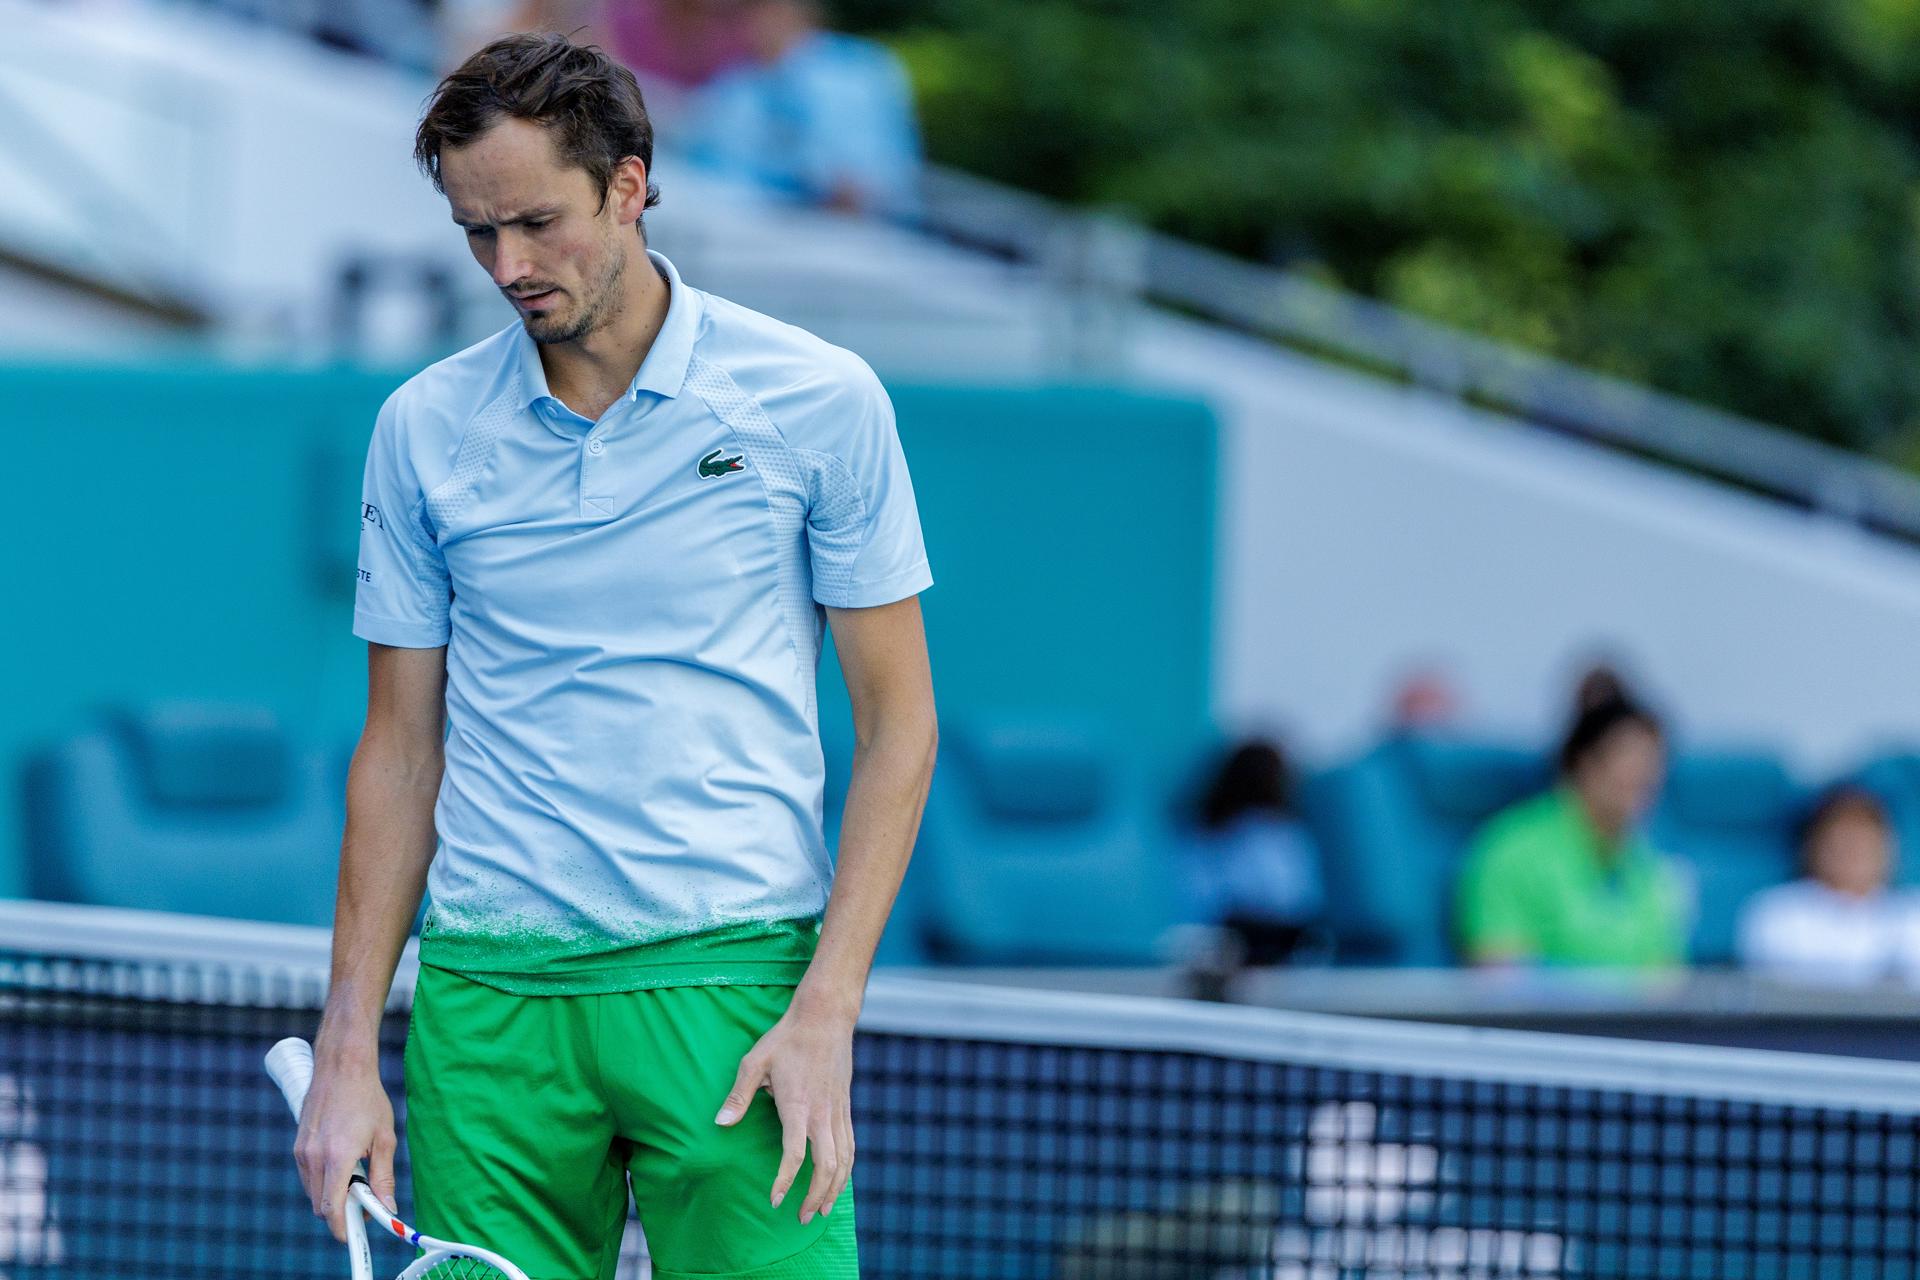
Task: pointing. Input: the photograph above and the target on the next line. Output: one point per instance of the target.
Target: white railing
(162, 957)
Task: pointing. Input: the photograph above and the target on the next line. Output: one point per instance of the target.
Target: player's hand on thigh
(806, 1063)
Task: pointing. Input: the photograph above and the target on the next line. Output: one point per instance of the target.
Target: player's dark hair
(590, 104)
(1594, 724)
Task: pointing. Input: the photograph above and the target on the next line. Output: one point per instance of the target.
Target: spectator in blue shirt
(813, 114)
(1249, 865)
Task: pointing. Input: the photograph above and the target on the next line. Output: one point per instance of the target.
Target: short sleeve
(1679, 896)
(723, 132)
(1497, 918)
(402, 590)
(863, 527)
(863, 133)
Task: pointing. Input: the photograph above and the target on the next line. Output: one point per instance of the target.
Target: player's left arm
(806, 1059)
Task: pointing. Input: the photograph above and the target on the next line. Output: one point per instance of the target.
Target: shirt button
(594, 446)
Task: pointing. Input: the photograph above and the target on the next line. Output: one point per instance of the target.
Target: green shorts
(528, 1115)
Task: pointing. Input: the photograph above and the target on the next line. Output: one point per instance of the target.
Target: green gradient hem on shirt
(756, 953)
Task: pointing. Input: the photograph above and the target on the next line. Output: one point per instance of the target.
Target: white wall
(223, 162)
(1365, 528)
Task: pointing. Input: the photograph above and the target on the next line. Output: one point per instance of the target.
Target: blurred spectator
(685, 43)
(675, 44)
(1565, 878)
(465, 25)
(1839, 923)
(1425, 700)
(1249, 865)
(815, 114)
(671, 45)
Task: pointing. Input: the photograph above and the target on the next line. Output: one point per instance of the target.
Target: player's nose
(509, 261)
(507, 268)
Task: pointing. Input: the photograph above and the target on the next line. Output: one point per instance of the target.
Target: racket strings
(463, 1269)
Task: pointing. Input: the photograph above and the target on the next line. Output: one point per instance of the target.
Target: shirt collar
(663, 371)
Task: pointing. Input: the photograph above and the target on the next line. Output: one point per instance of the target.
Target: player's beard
(595, 309)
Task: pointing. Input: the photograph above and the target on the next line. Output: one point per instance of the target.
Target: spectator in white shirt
(1840, 923)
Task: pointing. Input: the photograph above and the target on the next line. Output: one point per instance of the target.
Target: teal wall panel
(190, 533)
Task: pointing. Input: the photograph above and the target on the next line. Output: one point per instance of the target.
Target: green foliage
(1720, 200)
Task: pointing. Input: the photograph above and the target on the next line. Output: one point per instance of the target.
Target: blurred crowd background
(1407, 484)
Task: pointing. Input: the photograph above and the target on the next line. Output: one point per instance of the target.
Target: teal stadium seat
(1394, 826)
(1896, 780)
(186, 806)
(1727, 818)
(1040, 847)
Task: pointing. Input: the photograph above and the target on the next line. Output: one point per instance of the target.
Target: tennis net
(1006, 1133)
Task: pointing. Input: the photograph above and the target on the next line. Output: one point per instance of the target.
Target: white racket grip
(290, 1064)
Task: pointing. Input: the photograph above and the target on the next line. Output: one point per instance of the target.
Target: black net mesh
(140, 1137)
(1020, 1160)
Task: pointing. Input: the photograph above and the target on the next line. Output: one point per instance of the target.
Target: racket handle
(290, 1063)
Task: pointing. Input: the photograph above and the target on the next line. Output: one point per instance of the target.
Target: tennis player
(597, 550)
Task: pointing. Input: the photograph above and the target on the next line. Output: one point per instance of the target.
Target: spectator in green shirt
(1565, 878)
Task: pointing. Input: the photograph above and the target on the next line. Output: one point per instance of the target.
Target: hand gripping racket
(290, 1063)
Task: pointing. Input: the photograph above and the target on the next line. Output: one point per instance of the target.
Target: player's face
(540, 229)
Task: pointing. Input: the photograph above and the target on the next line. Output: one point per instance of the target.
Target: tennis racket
(290, 1063)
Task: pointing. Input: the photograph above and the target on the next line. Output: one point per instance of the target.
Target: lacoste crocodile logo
(714, 465)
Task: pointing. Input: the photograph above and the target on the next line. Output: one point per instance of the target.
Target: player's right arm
(391, 787)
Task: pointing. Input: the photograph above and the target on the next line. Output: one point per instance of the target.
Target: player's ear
(627, 190)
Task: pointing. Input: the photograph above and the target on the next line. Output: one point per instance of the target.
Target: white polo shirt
(632, 614)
